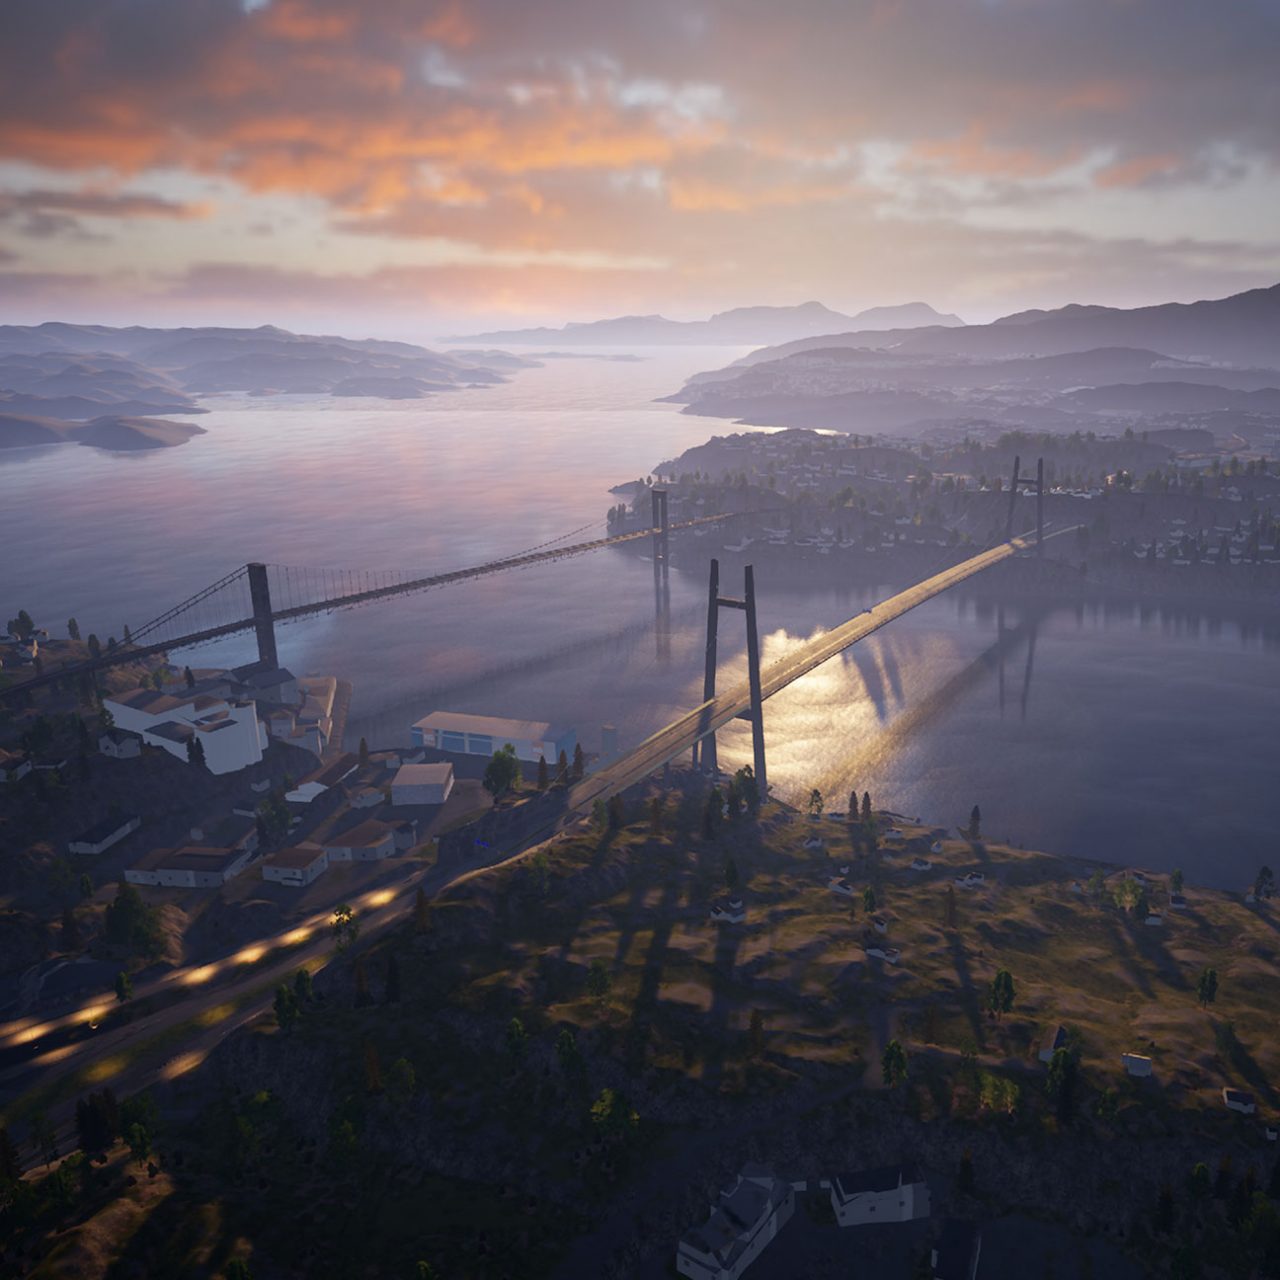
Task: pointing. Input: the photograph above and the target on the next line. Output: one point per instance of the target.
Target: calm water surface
(1133, 736)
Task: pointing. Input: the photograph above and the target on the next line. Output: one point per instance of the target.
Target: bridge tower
(755, 714)
(263, 623)
(1036, 483)
(659, 498)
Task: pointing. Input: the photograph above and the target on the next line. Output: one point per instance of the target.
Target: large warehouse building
(483, 735)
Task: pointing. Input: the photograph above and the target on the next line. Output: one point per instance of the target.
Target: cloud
(741, 144)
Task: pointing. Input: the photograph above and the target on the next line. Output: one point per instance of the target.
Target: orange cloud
(1136, 171)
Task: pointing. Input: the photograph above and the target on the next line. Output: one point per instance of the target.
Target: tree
(617, 815)
(733, 800)
(195, 751)
(129, 922)
(866, 807)
(868, 899)
(138, 1140)
(712, 812)
(502, 773)
(656, 808)
(755, 1034)
(1264, 883)
(364, 753)
(544, 778)
(303, 990)
(1207, 987)
(188, 677)
(613, 1116)
(22, 626)
(286, 1007)
(749, 789)
(1200, 1183)
(1061, 1083)
(1175, 881)
(95, 646)
(562, 770)
(975, 823)
(517, 1041)
(599, 980)
(237, 1269)
(569, 1055)
(402, 1081)
(391, 993)
(1001, 994)
(579, 762)
(816, 803)
(346, 928)
(124, 987)
(853, 805)
(73, 629)
(71, 936)
(421, 919)
(893, 1064)
(426, 1271)
(730, 874)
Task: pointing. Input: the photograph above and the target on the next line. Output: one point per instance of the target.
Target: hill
(741, 326)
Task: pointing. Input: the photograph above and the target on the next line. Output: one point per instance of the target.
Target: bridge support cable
(1021, 481)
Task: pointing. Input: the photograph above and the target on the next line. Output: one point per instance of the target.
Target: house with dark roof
(189, 866)
(368, 842)
(897, 1193)
(297, 866)
(119, 745)
(102, 835)
(743, 1221)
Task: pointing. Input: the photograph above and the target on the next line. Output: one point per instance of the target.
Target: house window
(451, 741)
(480, 744)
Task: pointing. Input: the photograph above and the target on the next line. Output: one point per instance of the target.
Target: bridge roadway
(679, 736)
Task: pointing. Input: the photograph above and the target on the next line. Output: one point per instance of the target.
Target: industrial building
(483, 735)
(422, 784)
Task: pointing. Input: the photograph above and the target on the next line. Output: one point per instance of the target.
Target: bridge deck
(679, 736)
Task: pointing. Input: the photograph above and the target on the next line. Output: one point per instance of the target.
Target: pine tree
(73, 629)
(188, 677)
(562, 770)
(579, 762)
(866, 806)
(543, 777)
(712, 812)
(124, 987)
(364, 753)
(303, 988)
(975, 823)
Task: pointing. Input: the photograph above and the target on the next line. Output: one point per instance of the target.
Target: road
(679, 736)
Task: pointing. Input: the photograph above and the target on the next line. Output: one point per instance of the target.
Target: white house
(422, 784)
(813, 842)
(1055, 1042)
(368, 842)
(920, 864)
(13, 766)
(297, 866)
(880, 924)
(728, 911)
(483, 735)
(971, 879)
(1135, 1064)
(227, 729)
(898, 1193)
(742, 1223)
(838, 884)
(102, 835)
(406, 834)
(1154, 919)
(890, 955)
(1177, 902)
(1238, 1100)
(120, 746)
(189, 866)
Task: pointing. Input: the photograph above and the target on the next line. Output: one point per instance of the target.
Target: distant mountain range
(743, 326)
(1183, 367)
(81, 372)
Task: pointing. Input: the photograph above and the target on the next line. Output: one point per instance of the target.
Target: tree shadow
(969, 1000)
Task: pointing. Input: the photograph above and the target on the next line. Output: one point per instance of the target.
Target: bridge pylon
(755, 712)
(1029, 482)
(263, 623)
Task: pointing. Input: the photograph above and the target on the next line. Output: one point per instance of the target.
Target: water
(1137, 737)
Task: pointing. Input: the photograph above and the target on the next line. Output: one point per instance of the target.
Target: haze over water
(914, 714)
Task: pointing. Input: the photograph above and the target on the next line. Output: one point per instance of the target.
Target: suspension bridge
(256, 597)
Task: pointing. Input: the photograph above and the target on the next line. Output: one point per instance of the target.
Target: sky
(406, 168)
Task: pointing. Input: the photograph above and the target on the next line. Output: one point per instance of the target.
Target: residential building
(728, 911)
(13, 766)
(227, 729)
(891, 955)
(366, 798)
(422, 784)
(1135, 1064)
(102, 835)
(368, 842)
(189, 866)
(297, 866)
(897, 1193)
(956, 1255)
(406, 834)
(1055, 1042)
(120, 746)
(483, 735)
(323, 779)
(1238, 1100)
(742, 1223)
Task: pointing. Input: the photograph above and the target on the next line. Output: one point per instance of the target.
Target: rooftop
(495, 727)
(364, 836)
(188, 857)
(874, 1180)
(420, 775)
(300, 855)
